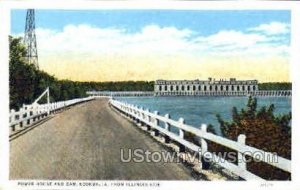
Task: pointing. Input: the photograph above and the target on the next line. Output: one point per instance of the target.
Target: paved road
(84, 143)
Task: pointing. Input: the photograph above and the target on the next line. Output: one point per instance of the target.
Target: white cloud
(272, 28)
(230, 42)
(155, 40)
(231, 37)
(106, 54)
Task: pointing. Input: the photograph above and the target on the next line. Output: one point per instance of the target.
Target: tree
(26, 83)
(21, 75)
(264, 131)
(275, 86)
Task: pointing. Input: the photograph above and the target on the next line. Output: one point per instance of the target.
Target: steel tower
(30, 39)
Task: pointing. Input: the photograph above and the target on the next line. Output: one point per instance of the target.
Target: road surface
(83, 143)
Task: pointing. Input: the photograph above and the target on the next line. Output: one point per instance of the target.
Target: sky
(118, 45)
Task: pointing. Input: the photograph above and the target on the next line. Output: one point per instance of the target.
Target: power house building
(210, 87)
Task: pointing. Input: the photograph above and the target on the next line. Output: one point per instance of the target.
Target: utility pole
(30, 39)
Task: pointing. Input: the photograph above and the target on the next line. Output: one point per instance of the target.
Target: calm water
(198, 110)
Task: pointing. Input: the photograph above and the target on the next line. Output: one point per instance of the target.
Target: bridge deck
(84, 143)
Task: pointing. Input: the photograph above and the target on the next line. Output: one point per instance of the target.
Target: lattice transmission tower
(30, 39)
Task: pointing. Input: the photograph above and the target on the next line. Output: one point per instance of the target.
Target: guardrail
(30, 114)
(152, 120)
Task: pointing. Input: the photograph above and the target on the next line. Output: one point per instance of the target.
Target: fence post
(181, 132)
(167, 127)
(142, 116)
(156, 123)
(22, 111)
(129, 111)
(132, 112)
(48, 100)
(41, 110)
(181, 135)
(12, 116)
(38, 111)
(241, 160)
(136, 114)
(126, 110)
(27, 121)
(31, 113)
(148, 119)
(204, 149)
(12, 120)
(35, 112)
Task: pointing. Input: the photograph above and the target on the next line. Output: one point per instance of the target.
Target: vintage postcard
(128, 95)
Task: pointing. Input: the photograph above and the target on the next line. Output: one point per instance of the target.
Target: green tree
(275, 86)
(21, 75)
(26, 83)
(264, 131)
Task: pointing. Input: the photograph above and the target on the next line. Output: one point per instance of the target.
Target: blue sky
(92, 45)
(204, 22)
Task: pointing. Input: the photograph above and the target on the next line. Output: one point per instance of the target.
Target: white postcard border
(6, 6)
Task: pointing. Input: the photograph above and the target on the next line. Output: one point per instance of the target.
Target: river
(198, 110)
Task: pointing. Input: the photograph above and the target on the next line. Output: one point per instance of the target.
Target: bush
(263, 130)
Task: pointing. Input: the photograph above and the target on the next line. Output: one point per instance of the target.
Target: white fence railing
(30, 114)
(153, 119)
